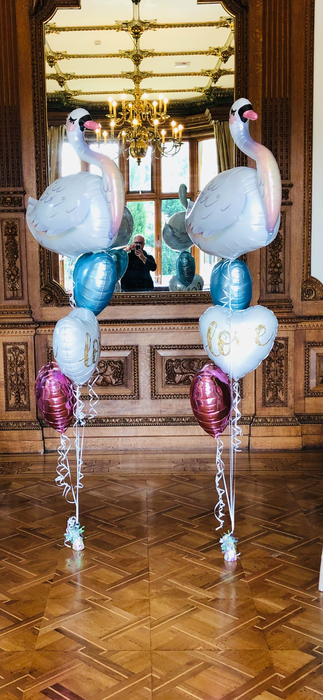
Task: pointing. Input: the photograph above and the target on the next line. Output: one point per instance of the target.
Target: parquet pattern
(150, 610)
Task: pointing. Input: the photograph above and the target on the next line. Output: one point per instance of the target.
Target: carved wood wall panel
(275, 261)
(16, 375)
(172, 368)
(275, 375)
(10, 134)
(11, 258)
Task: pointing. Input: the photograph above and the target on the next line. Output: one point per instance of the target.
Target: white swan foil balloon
(239, 210)
(79, 213)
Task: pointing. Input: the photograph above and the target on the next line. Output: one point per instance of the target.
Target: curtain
(224, 144)
(55, 143)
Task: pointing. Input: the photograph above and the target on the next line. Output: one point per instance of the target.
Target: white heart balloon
(76, 345)
(238, 342)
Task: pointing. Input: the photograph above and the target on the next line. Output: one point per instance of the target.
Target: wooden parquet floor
(150, 610)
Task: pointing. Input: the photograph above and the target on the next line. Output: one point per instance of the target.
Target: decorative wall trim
(11, 258)
(11, 176)
(16, 376)
(275, 375)
(274, 420)
(160, 298)
(310, 418)
(275, 261)
(12, 200)
(313, 374)
(158, 421)
(19, 425)
(312, 288)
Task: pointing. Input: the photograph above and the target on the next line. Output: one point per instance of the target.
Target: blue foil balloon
(185, 268)
(121, 260)
(231, 280)
(94, 281)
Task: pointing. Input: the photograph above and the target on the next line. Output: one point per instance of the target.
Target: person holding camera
(137, 276)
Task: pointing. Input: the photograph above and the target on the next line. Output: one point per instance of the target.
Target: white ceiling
(107, 12)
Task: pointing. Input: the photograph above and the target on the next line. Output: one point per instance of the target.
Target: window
(140, 175)
(70, 163)
(208, 163)
(143, 213)
(169, 256)
(175, 170)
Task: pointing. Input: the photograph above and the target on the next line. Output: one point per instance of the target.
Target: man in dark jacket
(137, 276)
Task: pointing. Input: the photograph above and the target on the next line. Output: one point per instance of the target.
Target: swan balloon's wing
(219, 204)
(64, 204)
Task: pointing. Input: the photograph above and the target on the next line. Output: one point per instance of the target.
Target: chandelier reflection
(139, 123)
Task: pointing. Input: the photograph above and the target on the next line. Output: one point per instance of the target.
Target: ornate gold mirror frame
(312, 288)
(51, 292)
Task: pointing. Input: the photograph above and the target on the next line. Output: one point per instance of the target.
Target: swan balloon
(79, 213)
(239, 210)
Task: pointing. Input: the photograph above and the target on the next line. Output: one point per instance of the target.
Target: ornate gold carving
(19, 425)
(181, 370)
(15, 358)
(158, 421)
(223, 22)
(275, 375)
(274, 420)
(11, 258)
(313, 374)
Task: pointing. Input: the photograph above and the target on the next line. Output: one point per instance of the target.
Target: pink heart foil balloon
(210, 396)
(54, 397)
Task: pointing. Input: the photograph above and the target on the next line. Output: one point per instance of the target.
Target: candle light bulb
(165, 104)
(155, 107)
(160, 98)
(180, 129)
(156, 122)
(110, 104)
(112, 124)
(173, 124)
(163, 134)
(105, 136)
(97, 131)
(114, 105)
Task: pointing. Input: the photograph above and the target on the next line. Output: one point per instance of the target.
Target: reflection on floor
(149, 609)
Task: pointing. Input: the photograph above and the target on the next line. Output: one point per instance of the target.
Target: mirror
(83, 66)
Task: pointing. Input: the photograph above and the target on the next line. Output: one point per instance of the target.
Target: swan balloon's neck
(269, 181)
(112, 182)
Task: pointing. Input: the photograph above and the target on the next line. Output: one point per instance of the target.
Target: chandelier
(139, 123)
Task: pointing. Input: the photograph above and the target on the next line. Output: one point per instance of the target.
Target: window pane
(175, 170)
(207, 263)
(208, 162)
(169, 256)
(144, 223)
(70, 161)
(140, 175)
(109, 149)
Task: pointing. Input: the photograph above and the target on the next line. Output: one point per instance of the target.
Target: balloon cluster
(236, 213)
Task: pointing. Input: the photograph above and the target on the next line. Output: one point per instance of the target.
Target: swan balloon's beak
(249, 114)
(92, 125)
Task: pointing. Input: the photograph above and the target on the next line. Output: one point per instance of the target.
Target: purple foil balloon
(54, 397)
(210, 396)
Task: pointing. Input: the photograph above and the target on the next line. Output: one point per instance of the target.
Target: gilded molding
(177, 373)
(19, 425)
(11, 258)
(312, 288)
(158, 421)
(16, 376)
(275, 375)
(313, 372)
(160, 298)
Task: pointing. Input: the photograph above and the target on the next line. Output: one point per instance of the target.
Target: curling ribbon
(218, 509)
(93, 397)
(64, 478)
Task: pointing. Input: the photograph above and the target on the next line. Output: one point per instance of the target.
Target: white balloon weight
(238, 343)
(239, 210)
(79, 213)
(76, 345)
